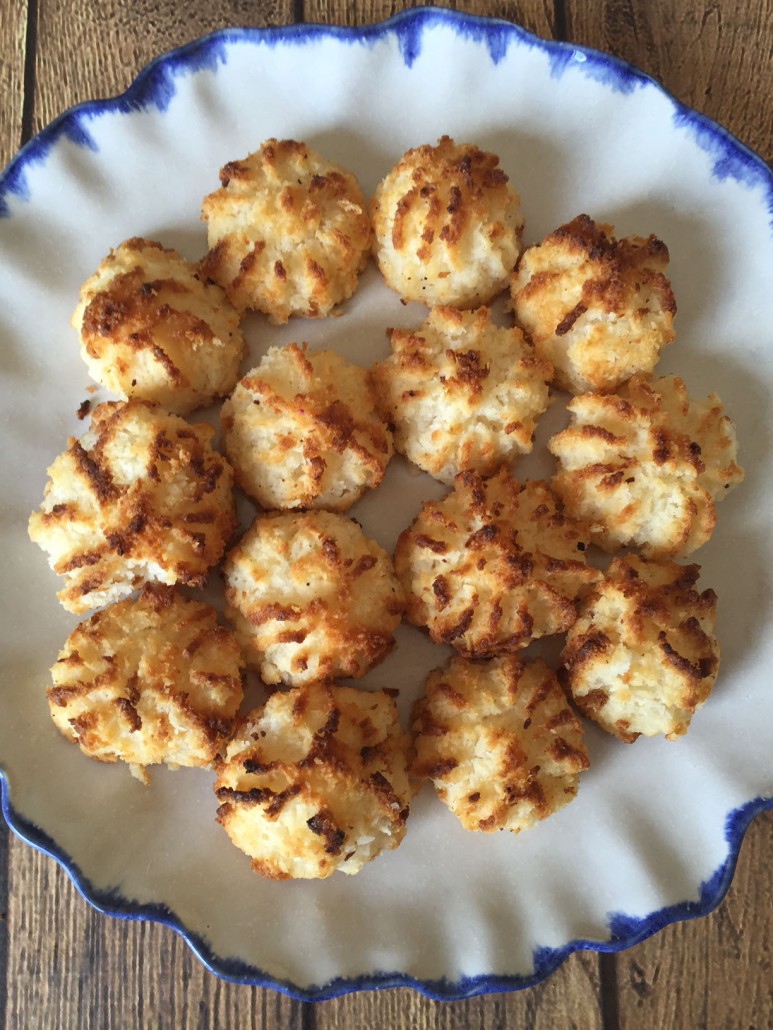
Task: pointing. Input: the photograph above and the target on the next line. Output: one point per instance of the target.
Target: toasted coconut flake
(642, 656)
(599, 309)
(289, 232)
(301, 431)
(151, 329)
(142, 497)
(147, 681)
(311, 598)
(447, 225)
(493, 565)
(461, 392)
(316, 780)
(499, 742)
(645, 466)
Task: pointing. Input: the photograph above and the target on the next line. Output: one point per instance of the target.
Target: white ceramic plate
(655, 831)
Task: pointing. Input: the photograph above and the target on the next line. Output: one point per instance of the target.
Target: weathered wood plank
(13, 26)
(714, 57)
(87, 51)
(569, 1000)
(535, 15)
(70, 966)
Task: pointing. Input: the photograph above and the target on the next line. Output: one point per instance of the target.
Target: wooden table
(62, 965)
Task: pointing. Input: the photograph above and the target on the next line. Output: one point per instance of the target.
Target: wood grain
(69, 966)
(86, 51)
(569, 1000)
(535, 15)
(13, 29)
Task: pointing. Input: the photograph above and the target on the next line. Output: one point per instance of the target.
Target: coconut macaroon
(499, 742)
(642, 656)
(302, 431)
(148, 681)
(599, 309)
(316, 780)
(461, 392)
(493, 565)
(447, 225)
(645, 466)
(141, 497)
(311, 598)
(150, 328)
(289, 232)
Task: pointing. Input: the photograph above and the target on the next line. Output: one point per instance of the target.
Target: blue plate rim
(150, 87)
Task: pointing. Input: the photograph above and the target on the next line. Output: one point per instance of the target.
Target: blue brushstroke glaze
(732, 160)
(609, 71)
(155, 87)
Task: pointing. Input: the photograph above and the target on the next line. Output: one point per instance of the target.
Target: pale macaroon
(311, 598)
(599, 309)
(302, 431)
(149, 680)
(447, 225)
(316, 781)
(141, 497)
(150, 328)
(493, 565)
(646, 466)
(643, 656)
(288, 232)
(499, 742)
(461, 392)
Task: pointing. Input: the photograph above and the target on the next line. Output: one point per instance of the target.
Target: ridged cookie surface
(289, 232)
(447, 225)
(499, 742)
(141, 497)
(645, 466)
(315, 781)
(600, 309)
(147, 681)
(493, 565)
(151, 329)
(461, 392)
(302, 431)
(311, 598)
(642, 656)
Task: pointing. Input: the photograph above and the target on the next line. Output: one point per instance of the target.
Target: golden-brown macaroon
(151, 329)
(646, 465)
(599, 309)
(493, 565)
(302, 431)
(141, 497)
(311, 598)
(499, 742)
(447, 225)
(316, 780)
(288, 232)
(148, 681)
(461, 392)
(642, 656)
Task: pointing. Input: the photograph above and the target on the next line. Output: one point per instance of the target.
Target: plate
(655, 831)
